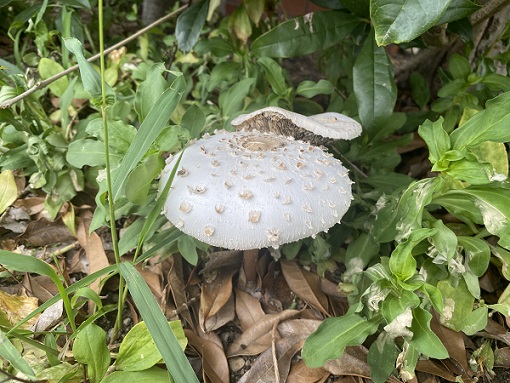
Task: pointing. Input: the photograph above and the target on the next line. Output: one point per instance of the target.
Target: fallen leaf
(43, 233)
(257, 338)
(175, 278)
(17, 307)
(40, 286)
(430, 367)
(49, 317)
(502, 357)
(214, 361)
(248, 309)
(300, 373)
(225, 315)
(305, 285)
(8, 190)
(223, 259)
(352, 362)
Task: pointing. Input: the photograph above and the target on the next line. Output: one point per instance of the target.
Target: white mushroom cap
(318, 129)
(249, 190)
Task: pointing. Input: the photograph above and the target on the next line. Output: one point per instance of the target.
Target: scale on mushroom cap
(259, 187)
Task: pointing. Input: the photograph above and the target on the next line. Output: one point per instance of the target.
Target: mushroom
(250, 190)
(320, 129)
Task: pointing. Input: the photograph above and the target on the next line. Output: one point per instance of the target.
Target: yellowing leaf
(8, 190)
(17, 307)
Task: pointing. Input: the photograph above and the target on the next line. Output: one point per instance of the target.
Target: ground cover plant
(97, 286)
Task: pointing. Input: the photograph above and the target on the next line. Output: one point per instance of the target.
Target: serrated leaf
(333, 335)
(311, 89)
(305, 35)
(424, 339)
(398, 21)
(8, 190)
(374, 87)
(90, 78)
(90, 348)
(190, 24)
(48, 68)
(490, 124)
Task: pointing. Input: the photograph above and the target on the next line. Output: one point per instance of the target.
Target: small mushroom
(320, 129)
(246, 214)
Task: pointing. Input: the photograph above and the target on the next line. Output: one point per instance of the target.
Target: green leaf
(232, 101)
(359, 253)
(459, 66)
(382, 357)
(394, 305)
(12, 354)
(85, 152)
(188, 249)
(419, 89)
(90, 78)
(225, 72)
(304, 35)
(190, 24)
(434, 295)
(138, 351)
(168, 345)
(8, 190)
(48, 68)
(140, 179)
(458, 303)
(311, 89)
(444, 242)
(274, 75)
(476, 321)
(193, 120)
(152, 375)
(90, 348)
(477, 253)
(333, 335)
(437, 140)
(458, 9)
(148, 132)
(495, 154)
(424, 339)
(374, 87)
(504, 257)
(254, 9)
(490, 124)
(150, 90)
(402, 263)
(399, 21)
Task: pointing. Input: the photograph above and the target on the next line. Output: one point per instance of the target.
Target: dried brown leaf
(301, 328)
(215, 293)
(248, 309)
(502, 357)
(40, 286)
(496, 331)
(32, 205)
(225, 315)
(433, 368)
(44, 233)
(223, 259)
(305, 285)
(352, 362)
(300, 373)
(263, 370)
(214, 361)
(175, 277)
(153, 275)
(257, 338)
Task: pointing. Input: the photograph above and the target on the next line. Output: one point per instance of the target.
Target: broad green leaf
(402, 263)
(398, 21)
(305, 34)
(193, 120)
(388, 182)
(9, 352)
(150, 90)
(167, 343)
(148, 132)
(409, 357)
(85, 151)
(382, 357)
(470, 170)
(359, 253)
(472, 282)
(188, 249)
(190, 24)
(444, 242)
(458, 9)
(90, 348)
(437, 140)
(48, 68)
(424, 339)
(138, 351)
(493, 203)
(504, 256)
(232, 101)
(152, 375)
(490, 124)
(274, 75)
(374, 87)
(239, 25)
(434, 295)
(223, 72)
(419, 89)
(90, 78)
(459, 66)
(311, 89)
(8, 190)
(477, 253)
(476, 321)
(333, 335)
(140, 179)
(494, 153)
(458, 303)
(395, 305)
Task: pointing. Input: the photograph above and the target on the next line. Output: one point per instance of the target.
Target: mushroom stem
(250, 258)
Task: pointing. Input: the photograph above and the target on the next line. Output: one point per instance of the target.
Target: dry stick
(275, 356)
(488, 10)
(48, 81)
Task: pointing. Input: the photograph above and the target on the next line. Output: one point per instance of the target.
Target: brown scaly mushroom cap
(250, 190)
(320, 129)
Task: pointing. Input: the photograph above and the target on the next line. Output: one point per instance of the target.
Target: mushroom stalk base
(250, 258)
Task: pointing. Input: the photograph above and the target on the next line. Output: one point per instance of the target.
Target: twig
(488, 10)
(48, 81)
(273, 349)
